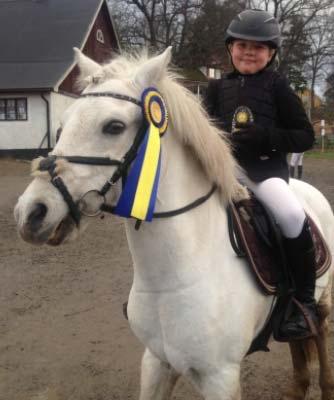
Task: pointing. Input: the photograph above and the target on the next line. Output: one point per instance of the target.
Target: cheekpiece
(154, 109)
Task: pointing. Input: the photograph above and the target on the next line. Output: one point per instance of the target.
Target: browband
(114, 95)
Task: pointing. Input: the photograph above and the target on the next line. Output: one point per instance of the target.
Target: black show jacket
(275, 107)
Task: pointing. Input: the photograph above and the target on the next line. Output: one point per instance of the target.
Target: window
(21, 107)
(211, 72)
(10, 110)
(218, 74)
(13, 109)
(2, 109)
(99, 36)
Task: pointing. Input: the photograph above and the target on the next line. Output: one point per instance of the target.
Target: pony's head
(100, 135)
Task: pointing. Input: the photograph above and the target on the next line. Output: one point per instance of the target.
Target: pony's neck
(182, 177)
(161, 249)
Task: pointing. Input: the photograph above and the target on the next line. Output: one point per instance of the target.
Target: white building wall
(18, 135)
(59, 103)
(211, 73)
(25, 134)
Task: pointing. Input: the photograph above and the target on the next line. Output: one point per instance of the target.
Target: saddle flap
(259, 237)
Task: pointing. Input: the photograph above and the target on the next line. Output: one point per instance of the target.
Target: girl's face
(249, 57)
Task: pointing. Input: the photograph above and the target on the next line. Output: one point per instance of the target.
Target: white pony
(193, 303)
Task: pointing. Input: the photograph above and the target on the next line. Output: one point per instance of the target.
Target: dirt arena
(62, 331)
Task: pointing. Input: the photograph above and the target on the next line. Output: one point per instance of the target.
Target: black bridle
(49, 164)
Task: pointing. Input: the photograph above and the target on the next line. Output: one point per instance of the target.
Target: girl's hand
(251, 138)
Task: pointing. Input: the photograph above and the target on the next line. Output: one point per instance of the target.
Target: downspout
(48, 133)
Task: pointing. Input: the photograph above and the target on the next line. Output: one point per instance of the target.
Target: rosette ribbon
(139, 194)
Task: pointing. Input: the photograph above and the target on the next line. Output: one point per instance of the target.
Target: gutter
(24, 90)
(48, 132)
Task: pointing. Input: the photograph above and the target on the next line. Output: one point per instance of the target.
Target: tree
(195, 29)
(205, 37)
(328, 106)
(130, 25)
(296, 18)
(292, 62)
(155, 23)
(321, 38)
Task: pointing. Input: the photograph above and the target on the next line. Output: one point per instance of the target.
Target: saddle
(255, 235)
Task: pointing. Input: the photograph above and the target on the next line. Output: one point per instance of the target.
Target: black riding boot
(301, 259)
(300, 171)
(292, 171)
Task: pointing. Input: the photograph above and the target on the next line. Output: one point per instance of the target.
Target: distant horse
(193, 304)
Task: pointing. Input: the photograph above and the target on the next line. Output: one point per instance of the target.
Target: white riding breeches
(276, 195)
(296, 159)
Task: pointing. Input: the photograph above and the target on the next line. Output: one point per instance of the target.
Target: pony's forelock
(120, 67)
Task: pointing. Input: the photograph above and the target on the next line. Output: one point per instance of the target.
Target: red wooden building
(37, 68)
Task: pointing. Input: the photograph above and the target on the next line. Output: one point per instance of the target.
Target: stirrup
(309, 320)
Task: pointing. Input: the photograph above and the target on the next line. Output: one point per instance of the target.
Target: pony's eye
(114, 127)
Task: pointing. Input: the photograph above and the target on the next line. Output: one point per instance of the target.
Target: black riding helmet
(256, 25)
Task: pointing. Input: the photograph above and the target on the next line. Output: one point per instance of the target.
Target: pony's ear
(87, 66)
(153, 70)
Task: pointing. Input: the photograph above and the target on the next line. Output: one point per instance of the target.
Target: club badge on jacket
(242, 115)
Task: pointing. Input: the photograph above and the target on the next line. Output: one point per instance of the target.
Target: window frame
(16, 100)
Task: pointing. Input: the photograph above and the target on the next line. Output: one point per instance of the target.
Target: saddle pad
(262, 260)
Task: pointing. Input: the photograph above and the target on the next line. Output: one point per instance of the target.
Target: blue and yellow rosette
(155, 110)
(139, 194)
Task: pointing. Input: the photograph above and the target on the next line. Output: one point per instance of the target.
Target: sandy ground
(62, 332)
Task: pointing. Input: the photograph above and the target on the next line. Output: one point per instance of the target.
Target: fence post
(323, 132)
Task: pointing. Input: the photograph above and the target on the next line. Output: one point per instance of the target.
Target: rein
(171, 213)
(76, 208)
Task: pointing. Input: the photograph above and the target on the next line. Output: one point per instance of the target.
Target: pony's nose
(36, 216)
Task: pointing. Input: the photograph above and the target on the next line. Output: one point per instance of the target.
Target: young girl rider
(279, 125)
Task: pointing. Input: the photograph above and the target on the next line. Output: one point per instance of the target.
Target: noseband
(49, 164)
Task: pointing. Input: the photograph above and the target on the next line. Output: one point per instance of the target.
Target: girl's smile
(249, 57)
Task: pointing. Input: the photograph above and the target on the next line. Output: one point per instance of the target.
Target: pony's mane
(195, 129)
(190, 122)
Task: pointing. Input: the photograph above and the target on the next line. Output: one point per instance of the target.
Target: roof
(37, 39)
(193, 75)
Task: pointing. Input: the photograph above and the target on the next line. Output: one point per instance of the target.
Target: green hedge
(328, 142)
(326, 155)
